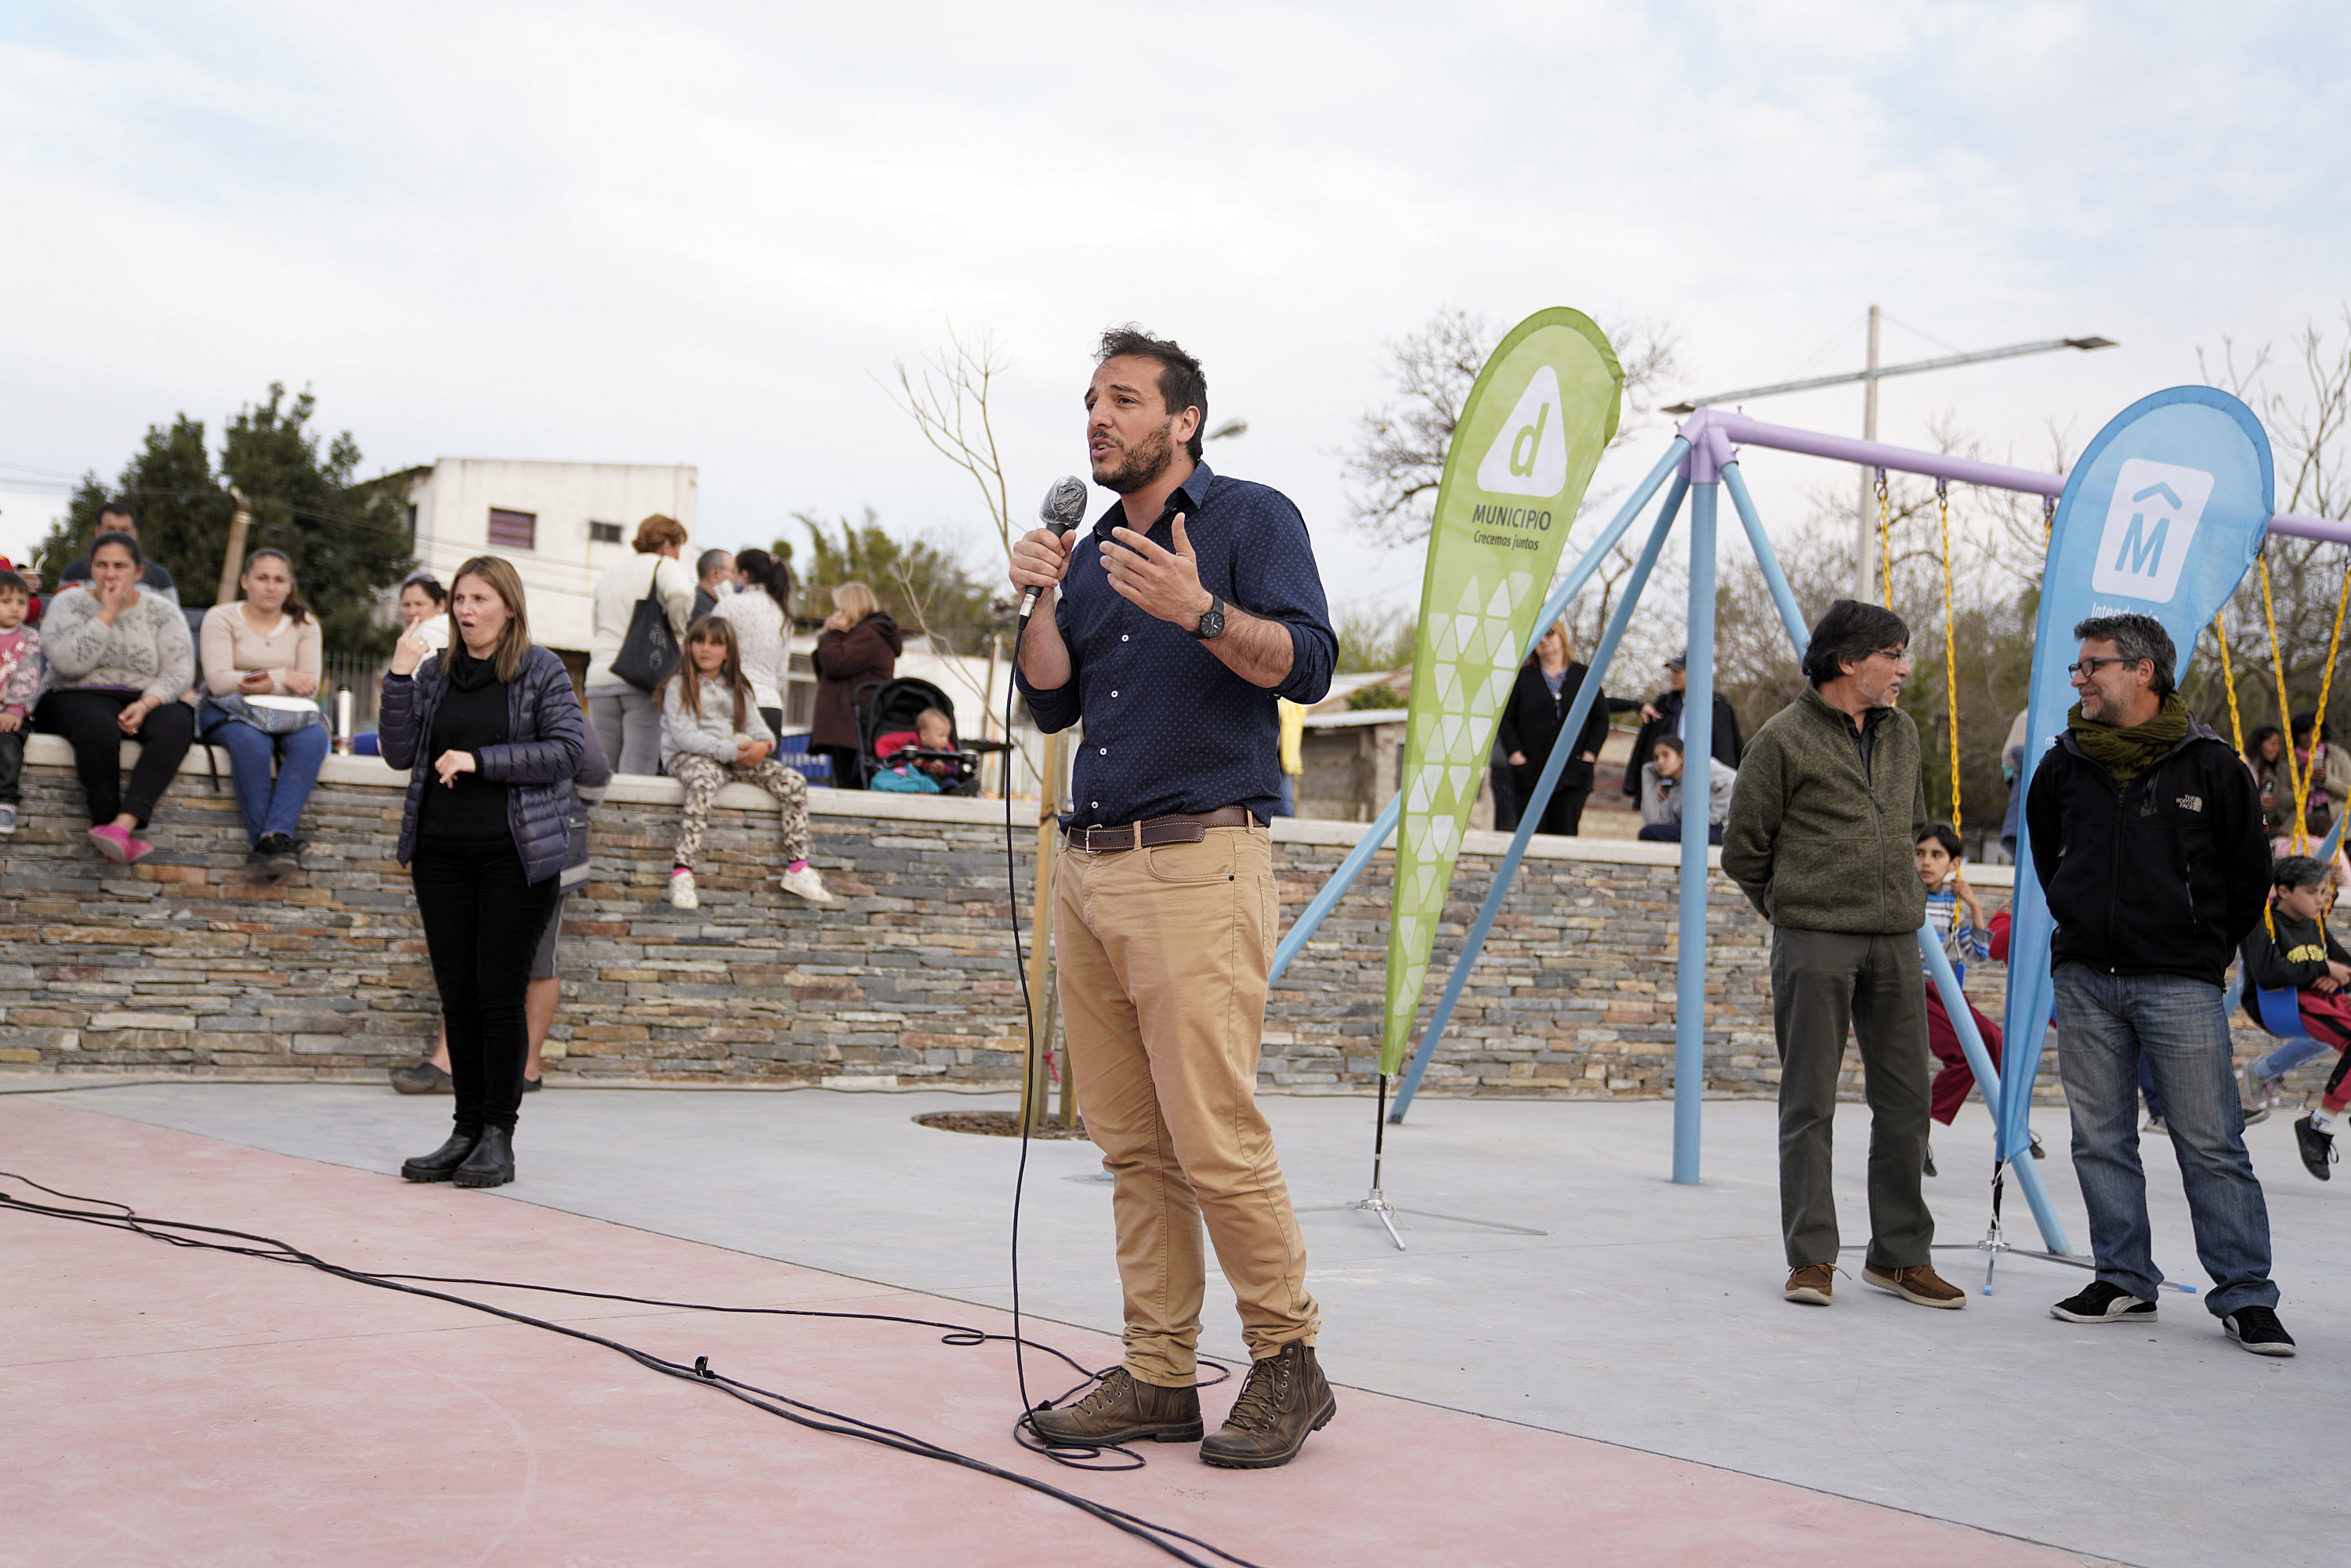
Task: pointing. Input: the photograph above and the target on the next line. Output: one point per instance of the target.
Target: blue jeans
(2289, 1055)
(271, 805)
(2106, 1026)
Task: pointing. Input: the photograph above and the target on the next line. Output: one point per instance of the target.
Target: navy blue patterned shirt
(1168, 728)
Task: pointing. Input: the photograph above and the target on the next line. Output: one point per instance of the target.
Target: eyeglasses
(2090, 666)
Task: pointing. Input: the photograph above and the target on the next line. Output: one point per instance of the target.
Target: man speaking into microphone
(1182, 614)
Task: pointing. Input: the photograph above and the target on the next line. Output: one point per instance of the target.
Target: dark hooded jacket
(2165, 877)
(845, 661)
(536, 766)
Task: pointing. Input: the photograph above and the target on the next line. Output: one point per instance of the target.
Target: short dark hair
(1672, 743)
(1944, 834)
(117, 509)
(2298, 870)
(425, 583)
(117, 537)
(2135, 637)
(769, 573)
(708, 562)
(1850, 632)
(11, 583)
(1182, 384)
(2303, 723)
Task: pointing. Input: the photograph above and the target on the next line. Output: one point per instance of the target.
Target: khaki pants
(1163, 954)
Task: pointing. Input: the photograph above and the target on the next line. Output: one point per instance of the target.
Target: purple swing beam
(1716, 431)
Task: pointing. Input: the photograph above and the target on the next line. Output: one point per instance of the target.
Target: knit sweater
(1816, 841)
(146, 650)
(20, 668)
(759, 642)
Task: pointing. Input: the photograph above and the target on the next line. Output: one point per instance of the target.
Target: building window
(604, 533)
(512, 530)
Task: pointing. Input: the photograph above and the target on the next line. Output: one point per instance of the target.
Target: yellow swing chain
(2285, 709)
(1950, 657)
(2325, 691)
(1884, 542)
(2237, 729)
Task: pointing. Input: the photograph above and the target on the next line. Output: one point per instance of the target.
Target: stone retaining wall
(181, 966)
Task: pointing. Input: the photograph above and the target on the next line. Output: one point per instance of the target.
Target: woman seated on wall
(119, 659)
(263, 660)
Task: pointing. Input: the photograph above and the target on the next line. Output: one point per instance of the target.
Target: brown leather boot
(1284, 1399)
(1122, 1408)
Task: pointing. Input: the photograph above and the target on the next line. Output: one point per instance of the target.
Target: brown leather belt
(1181, 830)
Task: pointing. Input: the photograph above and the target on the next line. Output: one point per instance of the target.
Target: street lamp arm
(1693, 404)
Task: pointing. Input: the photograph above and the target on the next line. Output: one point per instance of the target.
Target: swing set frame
(1701, 463)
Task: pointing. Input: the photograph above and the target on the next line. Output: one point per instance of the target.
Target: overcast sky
(703, 232)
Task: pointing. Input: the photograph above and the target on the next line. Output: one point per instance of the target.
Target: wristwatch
(1212, 620)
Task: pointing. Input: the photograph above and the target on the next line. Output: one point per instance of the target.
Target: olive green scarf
(2127, 753)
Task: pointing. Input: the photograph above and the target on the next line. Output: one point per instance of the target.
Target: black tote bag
(649, 652)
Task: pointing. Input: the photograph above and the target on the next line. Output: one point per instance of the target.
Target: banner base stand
(1376, 1204)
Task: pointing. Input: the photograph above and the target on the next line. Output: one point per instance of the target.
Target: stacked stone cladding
(181, 966)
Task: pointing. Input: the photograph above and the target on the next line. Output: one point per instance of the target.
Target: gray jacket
(538, 770)
(1661, 798)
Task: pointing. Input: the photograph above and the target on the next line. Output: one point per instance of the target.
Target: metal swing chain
(2237, 729)
(2326, 688)
(2294, 774)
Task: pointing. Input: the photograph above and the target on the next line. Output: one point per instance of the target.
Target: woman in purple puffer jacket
(492, 735)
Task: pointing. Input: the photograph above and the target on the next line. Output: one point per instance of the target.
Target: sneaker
(2318, 1150)
(276, 857)
(2038, 1152)
(2259, 1331)
(1811, 1284)
(2103, 1303)
(422, 1077)
(808, 885)
(1285, 1399)
(1920, 1286)
(7, 817)
(1122, 1408)
(2260, 1094)
(117, 844)
(681, 889)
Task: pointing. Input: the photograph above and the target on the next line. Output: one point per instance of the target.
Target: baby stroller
(886, 710)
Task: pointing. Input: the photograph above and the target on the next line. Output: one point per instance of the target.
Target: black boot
(443, 1162)
(491, 1163)
(1284, 1399)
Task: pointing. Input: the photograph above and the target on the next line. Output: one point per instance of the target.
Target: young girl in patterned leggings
(712, 732)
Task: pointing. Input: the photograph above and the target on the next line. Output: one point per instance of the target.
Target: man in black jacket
(1663, 716)
(2146, 837)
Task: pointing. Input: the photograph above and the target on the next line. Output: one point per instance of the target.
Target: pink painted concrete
(160, 1405)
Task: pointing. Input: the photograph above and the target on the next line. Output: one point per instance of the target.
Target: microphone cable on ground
(814, 1417)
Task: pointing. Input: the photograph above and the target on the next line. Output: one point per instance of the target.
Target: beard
(1137, 467)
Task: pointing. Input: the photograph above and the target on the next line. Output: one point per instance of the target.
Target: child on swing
(712, 732)
(2291, 949)
(1959, 920)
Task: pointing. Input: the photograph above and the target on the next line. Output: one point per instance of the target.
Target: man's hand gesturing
(1160, 582)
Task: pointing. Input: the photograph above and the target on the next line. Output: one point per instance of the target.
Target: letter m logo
(2151, 522)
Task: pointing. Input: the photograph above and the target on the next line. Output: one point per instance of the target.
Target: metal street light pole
(1866, 538)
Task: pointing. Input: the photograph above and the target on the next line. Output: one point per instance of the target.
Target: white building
(562, 525)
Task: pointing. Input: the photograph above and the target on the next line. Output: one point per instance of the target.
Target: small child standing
(711, 733)
(1959, 920)
(20, 688)
(2291, 948)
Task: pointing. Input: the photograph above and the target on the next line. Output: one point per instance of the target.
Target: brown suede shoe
(1811, 1284)
(1283, 1400)
(1122, 1408)
(1921, 1286)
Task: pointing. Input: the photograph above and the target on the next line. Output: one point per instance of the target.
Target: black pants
(12, 765)
(1502, 779)
(846, 772)
(1564, 814)
(482, 927)
(86, 719)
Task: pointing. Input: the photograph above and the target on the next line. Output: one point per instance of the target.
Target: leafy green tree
(347, 539)
(1372, 639)
(923, 583)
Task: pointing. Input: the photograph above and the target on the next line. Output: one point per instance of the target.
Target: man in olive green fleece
(1828, 807)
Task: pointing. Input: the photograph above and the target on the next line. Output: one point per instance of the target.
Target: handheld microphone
(1063, 508)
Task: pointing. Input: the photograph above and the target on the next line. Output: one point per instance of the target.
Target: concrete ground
(1647, 1318)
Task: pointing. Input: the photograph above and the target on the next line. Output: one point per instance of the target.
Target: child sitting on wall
(2291, 948)
(20, 688)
